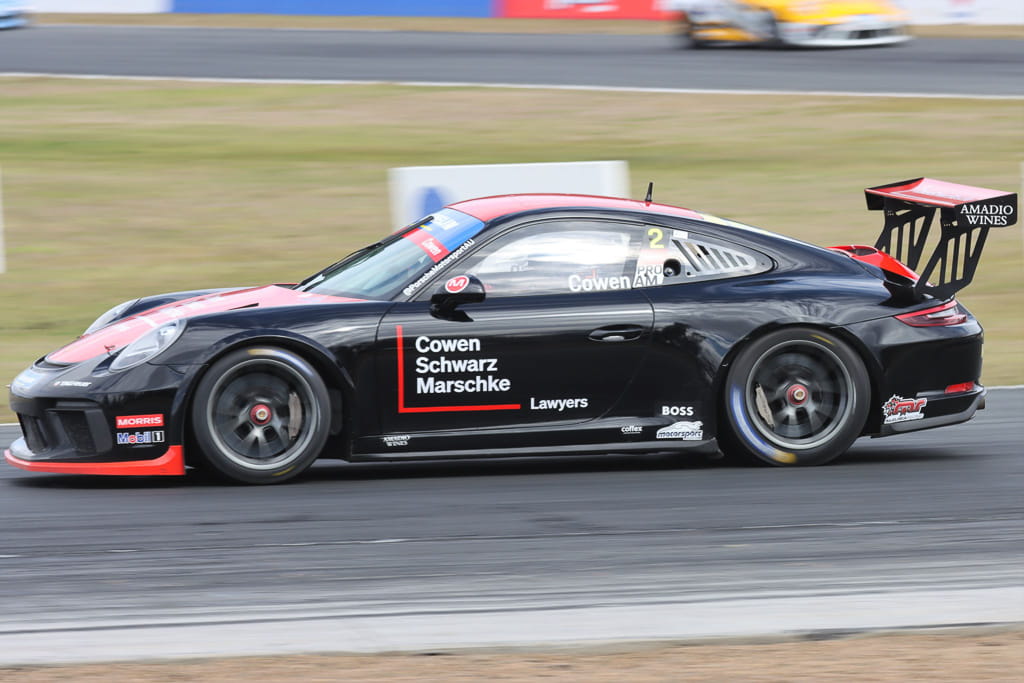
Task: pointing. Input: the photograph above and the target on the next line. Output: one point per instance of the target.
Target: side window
(670, 256)
(558, 257)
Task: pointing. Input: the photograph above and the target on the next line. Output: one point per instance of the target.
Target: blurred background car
(12, 14)
(793, 23)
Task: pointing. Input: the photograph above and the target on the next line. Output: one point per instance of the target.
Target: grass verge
(117, 189)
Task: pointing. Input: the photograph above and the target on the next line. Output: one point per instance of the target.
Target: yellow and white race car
(793, 23)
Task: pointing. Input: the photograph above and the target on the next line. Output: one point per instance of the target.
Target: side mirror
(456, 291)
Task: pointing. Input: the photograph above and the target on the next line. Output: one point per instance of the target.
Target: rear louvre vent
(702, 259)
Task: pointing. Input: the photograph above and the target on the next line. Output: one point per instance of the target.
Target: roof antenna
(650, 193)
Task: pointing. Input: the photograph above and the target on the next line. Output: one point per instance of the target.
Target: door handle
(617, 333)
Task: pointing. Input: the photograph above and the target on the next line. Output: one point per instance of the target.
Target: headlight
(148, 346)
(112, 314)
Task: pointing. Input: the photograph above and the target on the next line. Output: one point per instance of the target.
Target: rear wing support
(965, 216)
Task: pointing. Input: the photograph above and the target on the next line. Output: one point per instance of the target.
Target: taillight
(949, 313)
(960, 388)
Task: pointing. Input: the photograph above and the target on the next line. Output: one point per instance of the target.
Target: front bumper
(83, 420)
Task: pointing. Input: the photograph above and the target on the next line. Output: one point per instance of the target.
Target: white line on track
(512, 86)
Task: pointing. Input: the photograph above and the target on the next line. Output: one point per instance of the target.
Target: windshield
(399, 262)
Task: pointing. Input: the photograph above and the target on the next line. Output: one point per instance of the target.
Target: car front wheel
(260, 415)
(797, 396)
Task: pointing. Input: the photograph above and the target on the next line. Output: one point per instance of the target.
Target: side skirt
(707, 446)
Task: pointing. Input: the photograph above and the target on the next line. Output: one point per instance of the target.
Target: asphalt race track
(910, 531)
(918, 530)
(953, 66)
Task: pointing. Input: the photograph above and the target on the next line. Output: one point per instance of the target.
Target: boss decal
(456, 284)
(899, 409)
(139, 438)
(134, 421)
(676, 411)
(685, 431)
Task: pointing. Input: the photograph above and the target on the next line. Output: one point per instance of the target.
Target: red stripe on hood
(120, 334)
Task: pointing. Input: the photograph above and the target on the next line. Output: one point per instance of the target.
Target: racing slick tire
(796, 396)
(260, 415)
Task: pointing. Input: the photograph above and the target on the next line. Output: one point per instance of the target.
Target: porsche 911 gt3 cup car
(797, 23)
(529, 324)
(12, 14)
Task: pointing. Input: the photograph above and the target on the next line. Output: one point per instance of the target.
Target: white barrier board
(100, 6)
(417, 191)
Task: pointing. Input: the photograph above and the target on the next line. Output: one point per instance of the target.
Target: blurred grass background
(119, 189)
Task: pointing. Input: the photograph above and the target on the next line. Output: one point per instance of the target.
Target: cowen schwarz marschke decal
(457, 356)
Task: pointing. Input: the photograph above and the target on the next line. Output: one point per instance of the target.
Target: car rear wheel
(797, 396)
(260, 415)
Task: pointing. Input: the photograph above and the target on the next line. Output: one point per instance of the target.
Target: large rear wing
(966, 214)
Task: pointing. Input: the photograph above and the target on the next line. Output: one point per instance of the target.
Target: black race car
(524, 324)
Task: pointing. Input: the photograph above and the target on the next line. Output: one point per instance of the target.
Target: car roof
(488, 208)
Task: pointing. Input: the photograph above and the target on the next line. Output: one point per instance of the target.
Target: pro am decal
(899, 409)
(446, 368)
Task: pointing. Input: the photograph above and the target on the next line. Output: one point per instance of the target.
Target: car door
(558, 338)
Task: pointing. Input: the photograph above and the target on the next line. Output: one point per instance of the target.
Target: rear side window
(671, 257)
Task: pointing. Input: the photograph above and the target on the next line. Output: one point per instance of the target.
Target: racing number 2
(655, 238)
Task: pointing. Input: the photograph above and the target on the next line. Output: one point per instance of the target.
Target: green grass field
(114, 190)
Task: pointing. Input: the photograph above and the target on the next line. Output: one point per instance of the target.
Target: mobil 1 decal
(448, 374)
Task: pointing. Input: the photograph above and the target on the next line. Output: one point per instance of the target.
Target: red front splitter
(171, 463)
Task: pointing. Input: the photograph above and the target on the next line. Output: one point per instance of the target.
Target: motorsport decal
(133, 421)
(139, 438)
(899, 409)
(72, 383)
(558, 404)
(449, 356)
(687, 431)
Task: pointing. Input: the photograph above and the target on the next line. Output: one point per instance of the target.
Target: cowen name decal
(402, 408)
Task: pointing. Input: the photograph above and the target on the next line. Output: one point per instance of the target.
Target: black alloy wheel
(797, 396)
(261, 415)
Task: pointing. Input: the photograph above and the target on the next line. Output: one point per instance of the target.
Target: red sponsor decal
(585, 9)
(899, 409)
(135, 421)
(428, 243)
(456, 284)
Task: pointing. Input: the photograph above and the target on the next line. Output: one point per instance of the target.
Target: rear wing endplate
(966, 214)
